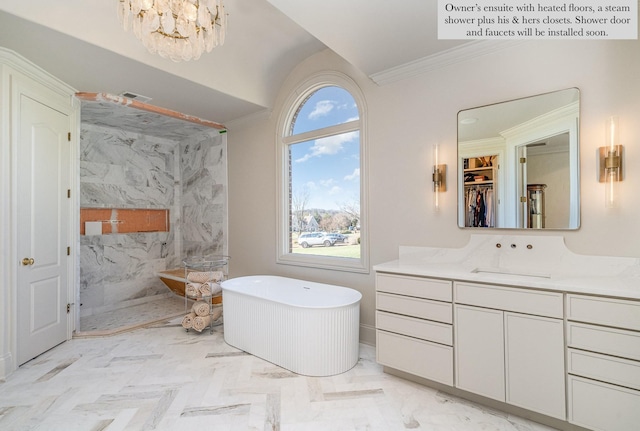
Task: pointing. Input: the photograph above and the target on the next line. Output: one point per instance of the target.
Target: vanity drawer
(606, 311)
(538, 302)
(604, 368)
(427, 288)
(422, 308)
(421, 358)
(418, 328)
(601, 406)
(617, 342)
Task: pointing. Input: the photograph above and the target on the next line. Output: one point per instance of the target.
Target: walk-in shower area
(153, 191)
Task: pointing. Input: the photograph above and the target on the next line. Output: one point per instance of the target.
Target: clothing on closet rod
(479, 202)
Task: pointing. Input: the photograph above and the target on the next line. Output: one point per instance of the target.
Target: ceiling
(490, 121)
(82, 43)
(116, 112)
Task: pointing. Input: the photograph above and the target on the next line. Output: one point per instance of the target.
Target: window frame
(284, 139)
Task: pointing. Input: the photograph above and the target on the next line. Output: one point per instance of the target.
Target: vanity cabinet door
(534, 361)
(479, 351)
(511, 357)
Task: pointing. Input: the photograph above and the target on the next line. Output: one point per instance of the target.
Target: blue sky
(328, 168)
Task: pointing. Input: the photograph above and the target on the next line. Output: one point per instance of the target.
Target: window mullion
(338, 129)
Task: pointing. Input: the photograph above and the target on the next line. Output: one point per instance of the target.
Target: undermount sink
(504, 271)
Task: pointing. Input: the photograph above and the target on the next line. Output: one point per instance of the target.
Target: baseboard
(368, 334)
(6, 366)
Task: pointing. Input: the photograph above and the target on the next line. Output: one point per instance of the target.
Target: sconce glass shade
(611, 188)
(613, 131)
(611, 164)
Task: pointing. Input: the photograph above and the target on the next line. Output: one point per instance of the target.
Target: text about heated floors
(544, 19)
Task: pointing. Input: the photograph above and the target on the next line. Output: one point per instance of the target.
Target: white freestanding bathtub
(308, 328)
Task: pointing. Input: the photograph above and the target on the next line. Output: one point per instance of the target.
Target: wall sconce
(610, 163)
(439, 178)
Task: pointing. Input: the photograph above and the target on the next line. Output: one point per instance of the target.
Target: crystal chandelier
(175, 29)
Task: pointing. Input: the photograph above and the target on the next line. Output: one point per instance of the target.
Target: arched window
(322, 176)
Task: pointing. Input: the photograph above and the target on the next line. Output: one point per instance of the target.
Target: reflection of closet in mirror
(480, 186)
(526, 125)
(545, 162)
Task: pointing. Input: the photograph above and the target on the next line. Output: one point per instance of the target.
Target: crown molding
(442, 59)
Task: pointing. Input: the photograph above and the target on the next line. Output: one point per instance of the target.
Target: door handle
(28, 261)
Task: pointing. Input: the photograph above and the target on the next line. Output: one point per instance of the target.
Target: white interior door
(43, 151)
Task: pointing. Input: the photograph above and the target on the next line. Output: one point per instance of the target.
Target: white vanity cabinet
(603, 362)
(509, 345)
(532, 327)
(413, 326)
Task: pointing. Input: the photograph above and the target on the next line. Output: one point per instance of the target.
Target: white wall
(404, 120)
(552, 169)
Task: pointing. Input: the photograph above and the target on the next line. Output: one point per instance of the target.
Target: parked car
(338, 237)
(315, 238)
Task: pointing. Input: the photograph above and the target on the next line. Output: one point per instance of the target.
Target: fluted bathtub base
(312, 341)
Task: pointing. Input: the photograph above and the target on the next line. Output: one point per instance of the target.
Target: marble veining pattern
(108, 114)
(115, 268)
(133, 314)
(125, 169)
(142, 160)
(204, 201)
(163, 378)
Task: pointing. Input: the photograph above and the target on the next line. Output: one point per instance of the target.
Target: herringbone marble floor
(164, 378)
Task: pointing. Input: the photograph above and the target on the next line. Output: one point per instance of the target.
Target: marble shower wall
(120, 169)
(204, 194)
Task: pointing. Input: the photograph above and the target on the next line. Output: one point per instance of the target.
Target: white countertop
(541, 262)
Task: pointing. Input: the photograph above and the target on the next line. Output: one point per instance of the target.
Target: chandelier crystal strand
(175, 29)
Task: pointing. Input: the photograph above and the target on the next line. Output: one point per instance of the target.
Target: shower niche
(99, 221)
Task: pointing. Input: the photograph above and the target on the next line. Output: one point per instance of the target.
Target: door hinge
(68, 308)
(68, 193)
(68, 251)
(523, 199)
(523, 160)
(69, 136)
